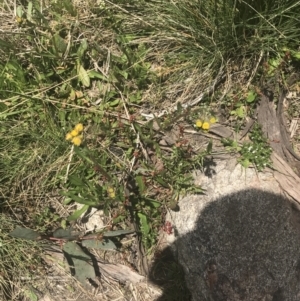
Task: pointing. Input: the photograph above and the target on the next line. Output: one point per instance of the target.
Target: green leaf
(76, 181)
(155, 204)
(83, 76)
(251, 96)
(31, 295)
(59, 43)
(144, 224)
(117, 233)
(68, 234)
(209, 147)
(141, 184)
(123, 73)
(67, 201)
(29, 11)
(95, 74)
(114, 102)
(82, 48)
(78, 213)
(5, 44)
(78, 199)
(245, 163)
(20, 11)
(82, 262)
(97, 244)
(161, 182)
(241, 112)
(25, 233)
(83, 155)
(3, 107)
(296, 55)
(68, 5)
(119, 219)
(63, 224)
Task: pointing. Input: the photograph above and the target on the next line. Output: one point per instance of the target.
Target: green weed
(257, 152)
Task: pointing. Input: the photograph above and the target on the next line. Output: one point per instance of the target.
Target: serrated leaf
(83, 76)
(106, 244)
(82, 262)
(117, 233)
(25, 233)
(78, 213)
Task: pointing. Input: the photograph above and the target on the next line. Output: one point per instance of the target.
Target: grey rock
(240, 240)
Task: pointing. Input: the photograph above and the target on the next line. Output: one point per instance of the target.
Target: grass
(103, 65)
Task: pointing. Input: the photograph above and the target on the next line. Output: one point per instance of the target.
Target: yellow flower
(76, 141)
(69, 137)
(79, 127)
(198, 123)
(213, 120)
(19, 19)
(205, 125)
(74, 133)
(111, 192)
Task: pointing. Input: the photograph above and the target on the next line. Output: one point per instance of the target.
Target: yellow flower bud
(205, 125)
(74, 133)
(198, 123)
(69, 136)
(79, 127)
(111, 192)
(76, 141)
(213, 120)
(19, 19)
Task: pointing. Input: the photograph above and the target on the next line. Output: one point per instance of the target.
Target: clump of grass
(18, 259)
(192, 40)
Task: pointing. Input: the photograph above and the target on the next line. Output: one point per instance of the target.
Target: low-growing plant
(256, 152)
(133, 182)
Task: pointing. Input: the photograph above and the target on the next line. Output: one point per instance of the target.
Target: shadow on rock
(245, 246)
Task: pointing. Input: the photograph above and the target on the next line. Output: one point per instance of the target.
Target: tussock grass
(192, 40)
